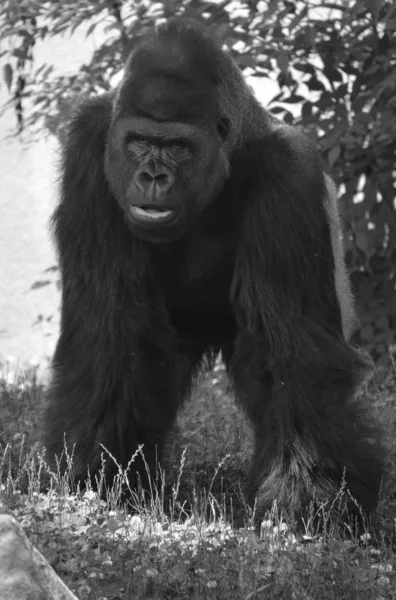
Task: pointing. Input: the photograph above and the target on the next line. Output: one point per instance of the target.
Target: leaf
(365, 238)
(293, 99)
(246, 60)
(334, 136)
(52, 269)
(24, 33)
(90, 29)
(71, 565)
(7, 75)
(304, 68)
(333, 74)
(370, 193)
(113, 524)
(391, 22)
(306, 110)
(282, 61)
(288, 117)
(342, 90)
(314, 85)
(310, 36)
(40, 284)
(361, 240)
(333, 155)
(375, 8)
(325, 101)
(277, 110)
(67, 18)
(21, 53)
(278, 33)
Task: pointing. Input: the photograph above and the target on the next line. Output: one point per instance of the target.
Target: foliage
(334, 63)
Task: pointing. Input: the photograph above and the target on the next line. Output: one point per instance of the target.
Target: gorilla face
(165, 158)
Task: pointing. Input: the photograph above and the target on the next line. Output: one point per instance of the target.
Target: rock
(24, 573)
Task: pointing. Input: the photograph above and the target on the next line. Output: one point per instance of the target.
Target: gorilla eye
(223, 128)
(134, 137)
(179, 145)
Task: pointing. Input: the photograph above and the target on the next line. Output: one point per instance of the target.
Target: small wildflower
(382, 568)
(151, 572)
(89, 495)
(383, 580)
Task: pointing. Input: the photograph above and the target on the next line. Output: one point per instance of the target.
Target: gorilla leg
(309, 430)
(122, 405)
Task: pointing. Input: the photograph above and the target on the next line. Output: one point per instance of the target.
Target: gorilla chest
(196, 273)
(196, 284)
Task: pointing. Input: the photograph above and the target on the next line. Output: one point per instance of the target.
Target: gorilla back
(192, 222)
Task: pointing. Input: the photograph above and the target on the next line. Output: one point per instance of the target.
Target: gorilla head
(172, 131)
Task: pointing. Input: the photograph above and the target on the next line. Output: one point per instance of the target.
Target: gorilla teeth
(151, 213)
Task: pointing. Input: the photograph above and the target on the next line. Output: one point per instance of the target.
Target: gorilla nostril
(163, 179)
(145, 178)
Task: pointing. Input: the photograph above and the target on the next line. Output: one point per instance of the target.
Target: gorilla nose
(154, 181)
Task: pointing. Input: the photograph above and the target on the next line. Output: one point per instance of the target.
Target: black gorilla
(193, 222)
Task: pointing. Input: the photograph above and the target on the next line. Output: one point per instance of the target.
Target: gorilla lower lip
(150, 213)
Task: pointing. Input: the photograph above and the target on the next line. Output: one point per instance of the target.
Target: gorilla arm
(285, 250)
(108, 308)
(293, 371)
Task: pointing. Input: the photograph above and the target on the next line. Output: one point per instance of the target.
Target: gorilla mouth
(150, 213)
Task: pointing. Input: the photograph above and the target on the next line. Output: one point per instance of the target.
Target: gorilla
(192, 222)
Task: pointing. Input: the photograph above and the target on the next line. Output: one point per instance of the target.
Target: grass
(194, 538)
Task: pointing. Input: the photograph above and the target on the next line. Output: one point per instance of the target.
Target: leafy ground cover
(195, 537)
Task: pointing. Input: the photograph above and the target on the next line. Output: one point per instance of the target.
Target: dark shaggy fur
(192, 222)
